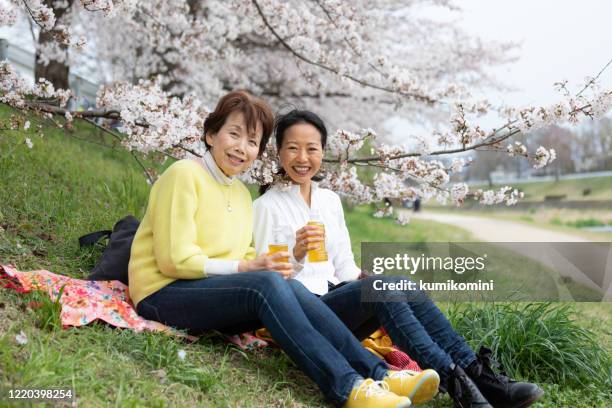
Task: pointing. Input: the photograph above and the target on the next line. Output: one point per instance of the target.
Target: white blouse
(286, 207)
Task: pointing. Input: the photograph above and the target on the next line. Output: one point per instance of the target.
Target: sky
(560, 40)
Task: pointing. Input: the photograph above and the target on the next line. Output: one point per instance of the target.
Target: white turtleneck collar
(213, 169)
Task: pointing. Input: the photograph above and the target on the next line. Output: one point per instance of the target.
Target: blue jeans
(415, 324)
(313, 337)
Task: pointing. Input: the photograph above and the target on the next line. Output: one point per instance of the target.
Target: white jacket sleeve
(344, 262)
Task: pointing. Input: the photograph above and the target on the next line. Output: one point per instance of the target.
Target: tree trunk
(55, 72)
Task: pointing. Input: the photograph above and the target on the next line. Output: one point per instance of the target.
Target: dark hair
(254, 110)
(295, 117)
(289, 119)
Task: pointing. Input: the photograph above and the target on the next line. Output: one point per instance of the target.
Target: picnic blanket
(83, 301)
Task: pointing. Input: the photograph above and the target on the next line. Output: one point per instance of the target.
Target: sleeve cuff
(297, 265)
(220, 267)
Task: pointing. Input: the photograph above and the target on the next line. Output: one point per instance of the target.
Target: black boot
(500, 390)
(463, 391)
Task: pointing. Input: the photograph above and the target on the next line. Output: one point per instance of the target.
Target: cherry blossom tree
(51, 52)
(357, 63)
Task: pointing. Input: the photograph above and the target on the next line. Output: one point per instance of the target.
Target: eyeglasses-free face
(233, 147)
(301, 153)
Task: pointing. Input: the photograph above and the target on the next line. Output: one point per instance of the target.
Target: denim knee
(304, 296)
(268, 282)
(298, 288)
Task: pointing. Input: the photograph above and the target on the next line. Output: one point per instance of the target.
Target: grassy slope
(548, 218)
(63, 188)
(365, 228)
(601, 189)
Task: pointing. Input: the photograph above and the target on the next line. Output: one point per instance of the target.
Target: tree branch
(25, 3)
(346, 41)
(418, 97)
(56, 110)
(488, 141)
(418, 180)
(594, 79)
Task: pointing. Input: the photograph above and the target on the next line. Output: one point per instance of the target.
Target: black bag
(114, 262)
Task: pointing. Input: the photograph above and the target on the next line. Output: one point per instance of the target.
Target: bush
(539, 341)
(586, 222)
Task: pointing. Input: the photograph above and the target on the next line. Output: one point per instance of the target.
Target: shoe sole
(528, 402)
(426, 388)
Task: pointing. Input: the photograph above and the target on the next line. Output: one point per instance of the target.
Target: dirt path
(596, 261)
(494, 230)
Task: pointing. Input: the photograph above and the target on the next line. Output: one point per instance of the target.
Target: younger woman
(416, 325)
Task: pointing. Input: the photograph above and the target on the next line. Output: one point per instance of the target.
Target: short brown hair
(254, 110)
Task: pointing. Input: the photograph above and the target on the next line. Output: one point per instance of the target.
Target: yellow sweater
(187, 222)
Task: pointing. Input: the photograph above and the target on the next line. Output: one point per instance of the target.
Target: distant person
(416, 206)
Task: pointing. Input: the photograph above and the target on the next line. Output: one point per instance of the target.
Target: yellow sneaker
(420, 387)
(375, 394)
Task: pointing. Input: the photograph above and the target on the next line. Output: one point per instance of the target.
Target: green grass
(546, 342)
(539, 340)
(363, 227)
(585, 222)
(579, 223)
(601, 189)
(63, 188)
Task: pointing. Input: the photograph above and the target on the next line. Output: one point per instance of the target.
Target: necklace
(228, 199)
(224, 181)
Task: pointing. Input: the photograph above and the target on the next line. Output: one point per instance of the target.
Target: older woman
(416, 325)
(192, 265)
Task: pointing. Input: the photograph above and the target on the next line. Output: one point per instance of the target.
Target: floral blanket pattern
(83, 301)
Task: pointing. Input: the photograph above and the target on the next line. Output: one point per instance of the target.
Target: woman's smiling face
(233, 147)
(301, 153)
